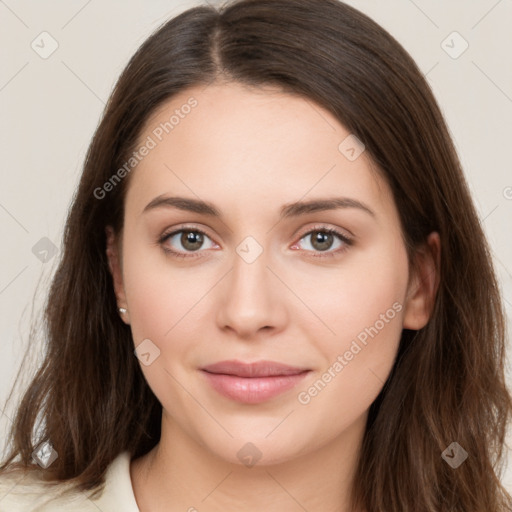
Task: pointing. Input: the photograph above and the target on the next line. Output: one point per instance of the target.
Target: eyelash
(347, 241)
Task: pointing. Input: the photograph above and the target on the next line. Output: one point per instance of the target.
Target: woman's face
(251, 275)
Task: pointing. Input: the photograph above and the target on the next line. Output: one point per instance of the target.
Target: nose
(252, 299)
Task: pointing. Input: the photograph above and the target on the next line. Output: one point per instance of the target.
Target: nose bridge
(252, 296)
(250, 270)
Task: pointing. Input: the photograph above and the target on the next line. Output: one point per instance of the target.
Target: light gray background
(50, 108)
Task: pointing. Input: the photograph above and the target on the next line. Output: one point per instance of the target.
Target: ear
(423, 284)
(114, 265)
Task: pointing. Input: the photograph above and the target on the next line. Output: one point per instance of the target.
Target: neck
(181, 475)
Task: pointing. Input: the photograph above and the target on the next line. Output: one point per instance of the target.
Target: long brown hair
(447, 384)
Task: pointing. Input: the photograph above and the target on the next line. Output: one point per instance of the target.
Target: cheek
(355, 370)
(366, 318)
(164, 304)
(352, 295)
(162, 296)
(351, 381)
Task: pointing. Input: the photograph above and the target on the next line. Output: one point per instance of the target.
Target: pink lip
(252, 383)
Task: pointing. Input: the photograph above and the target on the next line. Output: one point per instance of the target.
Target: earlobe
(423, 284)
(114, 265)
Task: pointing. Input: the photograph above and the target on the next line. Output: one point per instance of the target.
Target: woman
(275, 293)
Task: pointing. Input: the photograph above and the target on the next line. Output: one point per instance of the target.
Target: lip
(252, 383)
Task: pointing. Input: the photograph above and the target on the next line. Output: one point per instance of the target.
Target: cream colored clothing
(28, 494)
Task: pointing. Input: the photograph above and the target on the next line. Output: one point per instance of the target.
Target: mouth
(253, 383)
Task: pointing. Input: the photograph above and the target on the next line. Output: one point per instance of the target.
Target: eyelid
(183, 227)
(344, 233)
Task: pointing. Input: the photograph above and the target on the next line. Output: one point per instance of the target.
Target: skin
(249, 152)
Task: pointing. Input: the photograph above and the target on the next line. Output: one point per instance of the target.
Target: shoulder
(23, 491)
(28, 492)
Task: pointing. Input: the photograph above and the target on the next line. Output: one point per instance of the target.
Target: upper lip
(256, 369)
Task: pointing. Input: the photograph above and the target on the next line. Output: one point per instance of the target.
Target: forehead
(256, 147)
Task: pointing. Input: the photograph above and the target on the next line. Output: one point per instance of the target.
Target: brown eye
(321, 240)
(183, 242)
(191, 240)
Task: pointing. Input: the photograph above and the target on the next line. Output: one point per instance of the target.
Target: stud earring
(122, 310)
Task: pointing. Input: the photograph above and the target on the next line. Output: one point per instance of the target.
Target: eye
(322, 240)
(191, 240)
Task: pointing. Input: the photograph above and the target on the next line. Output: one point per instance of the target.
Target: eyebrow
(295, 209)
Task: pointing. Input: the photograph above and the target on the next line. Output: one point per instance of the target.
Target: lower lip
(253, 390)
